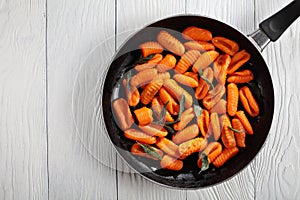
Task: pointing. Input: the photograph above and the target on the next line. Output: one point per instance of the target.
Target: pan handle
(273, 27)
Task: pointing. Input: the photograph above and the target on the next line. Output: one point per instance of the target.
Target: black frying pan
(189, 177)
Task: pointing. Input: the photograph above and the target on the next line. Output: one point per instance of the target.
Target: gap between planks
(47, 97)
(116, 170)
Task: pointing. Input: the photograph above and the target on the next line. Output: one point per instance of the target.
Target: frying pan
(189, 178)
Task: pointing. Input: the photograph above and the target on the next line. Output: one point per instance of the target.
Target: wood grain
(60, 45)
(75, 29)
(23, 139)
(132, 15)
(239, 14)
(277, 166)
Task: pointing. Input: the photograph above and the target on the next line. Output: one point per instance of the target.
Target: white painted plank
(75, 28)
(133, 15)
(239, 14)
(277, 166)
(23, 139)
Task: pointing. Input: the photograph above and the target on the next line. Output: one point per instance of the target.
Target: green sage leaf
(200, 72)
(255, 89)
(181, 109)
(163, 113)
(172, 123)
(197, 110)
(208, 82)
(181, 106)
(128, 78)
(235, 130)
(169, 129)
(143, 60)
(150, 150)
(156, 114)
(205, 164)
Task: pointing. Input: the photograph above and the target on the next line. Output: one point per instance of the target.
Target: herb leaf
(169, 129)
(128, 77)
(208, 82)
(205, 164)
(197, 110)
(181, 106)
(150, 150)
(155, 113)
(255, 89)
(163, 113)
(200, 72)
(171, 123)
(141, 60)
(181, 109)
(235, 130)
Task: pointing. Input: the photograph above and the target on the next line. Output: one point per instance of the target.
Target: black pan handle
(275, 25)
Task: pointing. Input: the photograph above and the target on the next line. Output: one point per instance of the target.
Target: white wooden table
(43, 42)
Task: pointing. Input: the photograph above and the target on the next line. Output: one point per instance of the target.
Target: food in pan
(189, 99)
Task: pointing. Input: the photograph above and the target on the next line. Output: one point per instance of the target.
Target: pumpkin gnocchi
(189, 99)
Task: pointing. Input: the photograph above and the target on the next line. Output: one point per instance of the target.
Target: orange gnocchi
(189, 98)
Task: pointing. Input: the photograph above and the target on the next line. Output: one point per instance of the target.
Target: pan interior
(189, 178)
